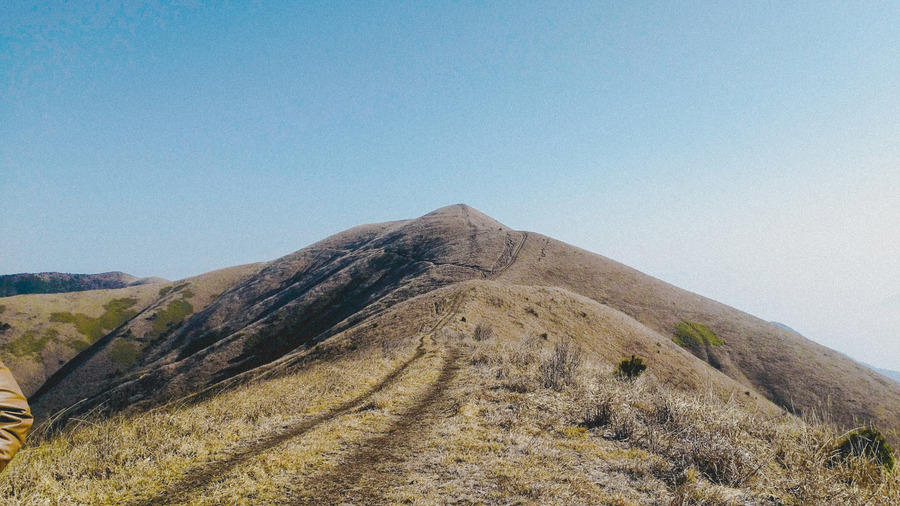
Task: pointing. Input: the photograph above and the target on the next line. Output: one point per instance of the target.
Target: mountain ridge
(59, 282)
(346, 283)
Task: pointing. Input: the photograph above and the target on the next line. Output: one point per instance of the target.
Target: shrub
(599, 414)
(868, 443)
(631, 369)
(482, 332)
(559, 370)
(696, 335)
(166, 319)
(30, 345)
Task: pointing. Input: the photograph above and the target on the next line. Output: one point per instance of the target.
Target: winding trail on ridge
(202, 476)
(365, 476)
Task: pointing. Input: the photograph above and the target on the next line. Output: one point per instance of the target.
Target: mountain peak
(462, 214)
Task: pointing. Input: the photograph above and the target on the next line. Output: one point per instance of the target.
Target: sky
(746, 151)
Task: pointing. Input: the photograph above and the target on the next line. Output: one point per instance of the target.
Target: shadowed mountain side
(120, 349)
(790, 370)
(297, 301)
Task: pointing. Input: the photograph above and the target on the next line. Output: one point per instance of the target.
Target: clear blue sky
(744, 150)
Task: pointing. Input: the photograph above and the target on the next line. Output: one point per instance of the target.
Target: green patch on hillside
(2, 308)
(169, 318)
(696, 335)
(123, 353)
(78, 345)
(30, 345)
(164, 290)
(117, 312)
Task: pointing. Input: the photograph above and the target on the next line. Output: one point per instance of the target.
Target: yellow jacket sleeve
(15, 417)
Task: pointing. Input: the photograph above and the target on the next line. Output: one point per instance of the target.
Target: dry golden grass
(124, 458)
(506, 418)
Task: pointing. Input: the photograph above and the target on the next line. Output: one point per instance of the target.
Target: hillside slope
(790, 370)
(428, 403)
(349, 281)
(168, 307)
(41, 332)
(295, 301)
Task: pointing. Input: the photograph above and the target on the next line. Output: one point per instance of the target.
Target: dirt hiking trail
(365, 476)
(200, 477)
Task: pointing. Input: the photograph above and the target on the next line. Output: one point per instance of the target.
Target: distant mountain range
(58, 282)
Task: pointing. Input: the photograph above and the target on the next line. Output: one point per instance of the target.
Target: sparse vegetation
(595, 441)
(116, 313)
(560, 368)
(696, 335)
(166, 319)
(123, 353)
(78, 345)
(30, 345)
(482, 332)
(401, 402)
(164, 290)
(867, 443)
(631, 369)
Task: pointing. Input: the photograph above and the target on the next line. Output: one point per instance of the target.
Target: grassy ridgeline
(583, 438)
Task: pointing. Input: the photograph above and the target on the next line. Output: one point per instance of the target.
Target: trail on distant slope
(367, 474)
(509, 256)
(202, 476)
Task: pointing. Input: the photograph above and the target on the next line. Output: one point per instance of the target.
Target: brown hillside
(792, 371)
(427, 404)
(158, 310)
(348, 283)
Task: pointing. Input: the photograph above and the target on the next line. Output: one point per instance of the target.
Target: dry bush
(559, 370)
(482, 332)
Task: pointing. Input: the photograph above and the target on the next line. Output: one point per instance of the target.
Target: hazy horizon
(748, 153)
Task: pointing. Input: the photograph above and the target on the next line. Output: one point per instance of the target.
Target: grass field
(448, 415)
